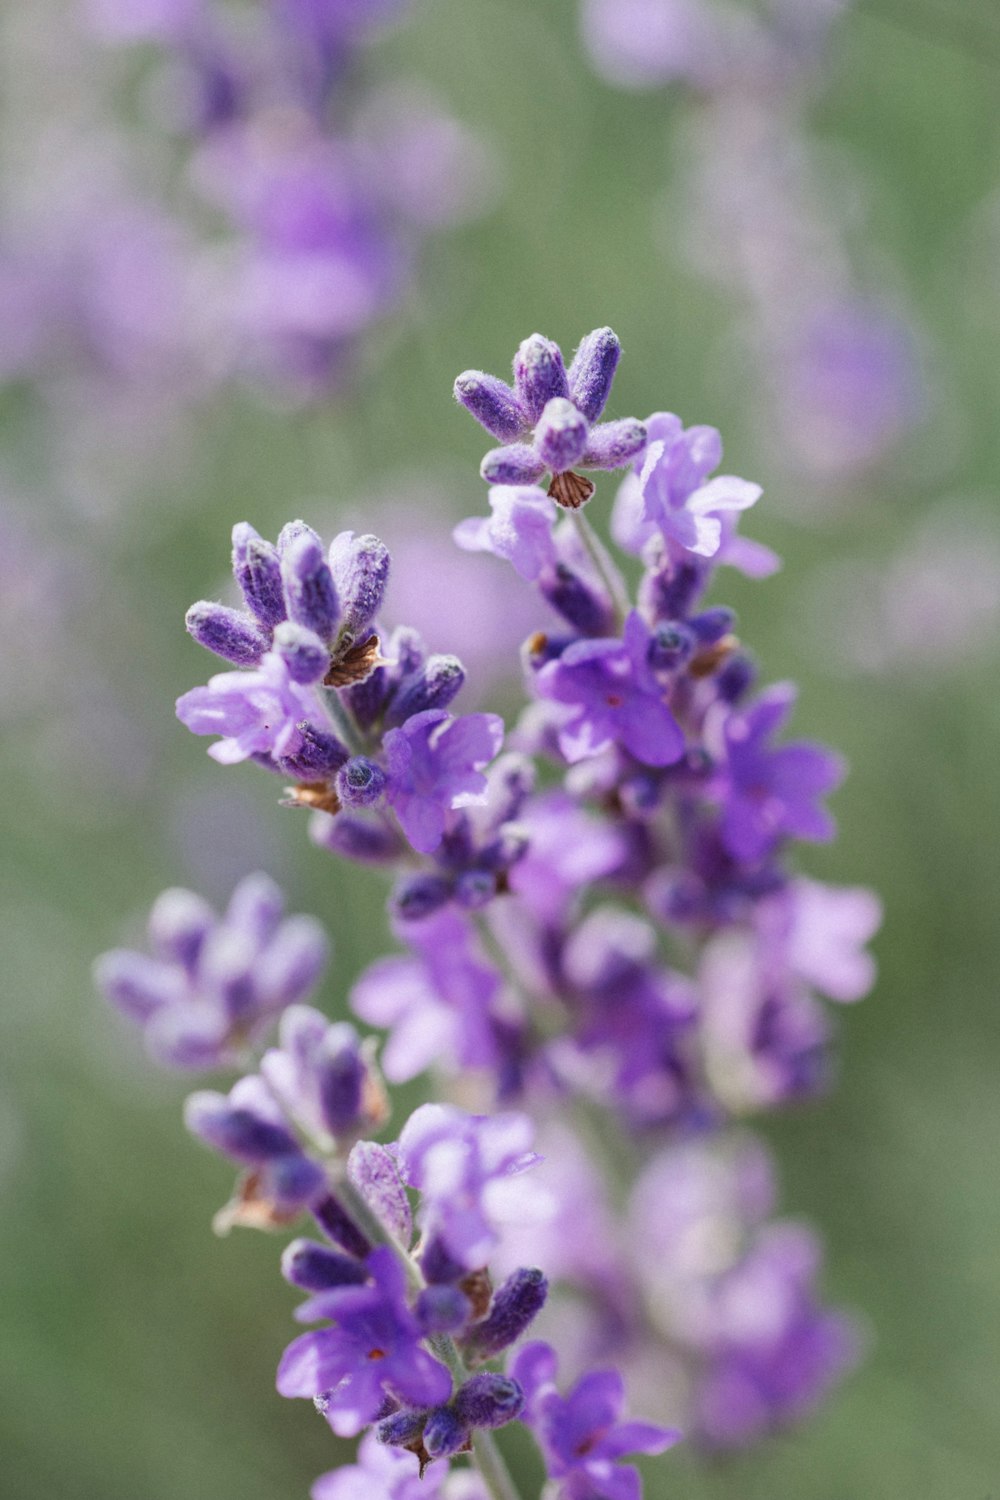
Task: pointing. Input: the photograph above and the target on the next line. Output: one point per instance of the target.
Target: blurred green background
(136, 1350)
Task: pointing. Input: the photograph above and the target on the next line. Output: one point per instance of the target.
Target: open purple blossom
(324, 1077)
(582, 1435)
(546, 419)
(383, 1472)
(519, 529)
(820, 932)
(261, 712)
(467, 1169)
(616, 698)
(434, 764)
(212, 984)
(439, 1005)
(772, 792)
(669, 493)
(373, 1350)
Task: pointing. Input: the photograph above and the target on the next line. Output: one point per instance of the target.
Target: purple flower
(438, 1004)
(259, 712)
(434, 764)
(467, 1170)
(616, 697)
(545, 421)
(568, 849)
(771, 793)
(820, 932)
(374, 1349)
(249, 1126)
(323, 1077)
(214, 983)
(581, 1434)
(519, 530)
(669, 493)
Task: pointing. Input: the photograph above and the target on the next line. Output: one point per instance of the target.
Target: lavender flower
(213, 984)
(383, 1473)
(264, 712)
(373, 1350)
(546, 420)
(582, 1434)
(435, 764)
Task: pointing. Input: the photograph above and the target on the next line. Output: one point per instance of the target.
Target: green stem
(342, 722)
(602, 562)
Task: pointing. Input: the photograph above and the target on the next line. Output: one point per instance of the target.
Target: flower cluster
(602, 935)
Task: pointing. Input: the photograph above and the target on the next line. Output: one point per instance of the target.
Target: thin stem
(342, 722)
(492, 1466)
(606, 570)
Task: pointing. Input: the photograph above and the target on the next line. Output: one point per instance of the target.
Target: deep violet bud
(290, 532)
(611, 445)
(257, 570)
(436, 684)
(712, 624)
(517, 463)
(670, 647)
(593, 370)
(418, 896)
(561, 435)
(401, 1429)
(335, 1221)
(539, 374)
(309, 586)
(302, 651)
(235, 1129)
(492, 403)
(489, 1400)
(318, 756)
(586, 607)
(370, 843)
(442, 1309)
(360, 569)
(227, 632)
(317, 1268)
(360, 783)
(735, 679)
(514, 1307)
(444, 1433)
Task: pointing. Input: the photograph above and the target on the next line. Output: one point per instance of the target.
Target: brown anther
(704, 663)
(376, 1354)
(536, 644)
(478, 1287)
(355, 664)
(571, 490)
(318, 796)
(250, 1209)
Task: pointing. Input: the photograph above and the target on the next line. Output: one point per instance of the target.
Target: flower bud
(369, 843)
(442, 1309)
(539, 375)
(670, 646)
(235, 1131)
(402, 1429)
(336, 1222)
(360, 569)
(317, 1268)
(444, 1433)
(227, 632)
(319, 756)
(515, 1304)
(179, 922)
(517, 463)
(257, 570)
(434, 686)
(587, 608)
(613, 444)
(360, 783)
(488, 1400)
(418, 896)
(309, 587)
(593, 370)
(561, 435)
(712, 624)
(302, 651)
(492, 403)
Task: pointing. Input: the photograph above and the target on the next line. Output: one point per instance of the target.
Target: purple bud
(227, 632)
(401, 1429)
(434, 686)
(319, 756)
(367, 699)
(236, 1132)
(587, 608)
(336, 1222)
(488, 1400)
(442, 1309)
(136, 984)
(444, 1434)
(353, 838)
(256, 906)
(539, 374)
(291, 532)
(671, 593)
(373, 1171)
(514, 1307)
(593, 370)
(735, 678)
(316, 1268)
(360, 783)
(341, 1079)
(302, 651)
(561, 435)
(670, 647)
(492, 403)
(178, 925)
(514, 464)
(417, 896)
(438, 1266)
(360, 568)
(291, 1182)
(257, 570)
(309, 587)
(712, 625)
(614, 444)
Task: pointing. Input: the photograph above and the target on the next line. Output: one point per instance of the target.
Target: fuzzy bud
(227, 632)
(488, 1400)
(515, 1304)
(309, 587)
(434, 686)
(360, 569)
(302, 651)
(492, 403)
(593, 370)
(360, 783)
(257, 570)
(317, 1268)
(539, 374)
(561, 435)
